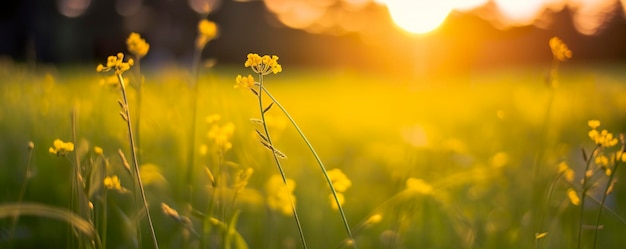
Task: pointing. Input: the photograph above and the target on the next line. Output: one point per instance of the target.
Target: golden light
(520, 12)
(418, 16)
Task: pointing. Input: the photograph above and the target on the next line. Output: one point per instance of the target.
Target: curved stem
(135, 161)
(604, 195)
(583, 194)
(317, 158)
(280, 168)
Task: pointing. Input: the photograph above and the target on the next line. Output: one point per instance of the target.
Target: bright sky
(414, 16)
(423, 16)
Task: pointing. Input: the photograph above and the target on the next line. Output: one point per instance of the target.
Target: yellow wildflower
(207, 31)
(339, 179)
(243, 176)
(221, 135)
(60, 148)
(280, 195)
(567, 172)
(137, 45)
(419, 186)
(602, 138)
(559, 49)
(593, 124)
(213, 118)
(374, 219)
(573, 197)
(263, 65)
(602, 160)
(116, 63)
(113, 183)
(333, 203)
(244, 82)
(98, 150)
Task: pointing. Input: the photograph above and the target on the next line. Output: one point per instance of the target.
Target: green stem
(280, 168)
(604, 195)
(139, 79)
(583, 195)
(20, 197)
(192, 129)
(135, 162)
(317, 158)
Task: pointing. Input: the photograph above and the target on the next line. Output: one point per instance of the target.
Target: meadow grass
(442, 162)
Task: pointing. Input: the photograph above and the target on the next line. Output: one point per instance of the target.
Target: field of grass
(459, 162)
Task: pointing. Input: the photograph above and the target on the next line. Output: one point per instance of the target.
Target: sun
(418, 16)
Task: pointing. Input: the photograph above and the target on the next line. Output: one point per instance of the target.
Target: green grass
(474, 138)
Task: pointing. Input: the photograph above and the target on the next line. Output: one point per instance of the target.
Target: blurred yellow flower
(280, 195)
(60, 148)
(374, 219)
(559, 49)
(263, 65)
(333, 203)
(419, 186)
(244, 82)
(221, 135)
(98, 150)
(207, 31)
(151, 175)
(113, 183)
(339, 179)
(137, 45)
(573, 197)
(602, 160)
(593, 124)
(116, 63)
(213, 118)
(567, 172)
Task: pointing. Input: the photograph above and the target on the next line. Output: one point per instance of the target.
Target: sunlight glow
(423, 16)
(419, 16)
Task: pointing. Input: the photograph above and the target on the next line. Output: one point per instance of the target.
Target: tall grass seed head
(137, 45)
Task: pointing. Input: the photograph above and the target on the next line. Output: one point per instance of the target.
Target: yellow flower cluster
(566, 171)
(60, 148)
(280, 195)
(559, 49)
(137, 45)
(419, 186)
(207, 31)
(602, 138)
(244, 82)
(573, 197)
(221, 135)
(341, 183)
(116, 63)
(263, 65)
(113, 183)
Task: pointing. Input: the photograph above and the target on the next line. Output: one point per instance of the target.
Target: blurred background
(389, 36)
